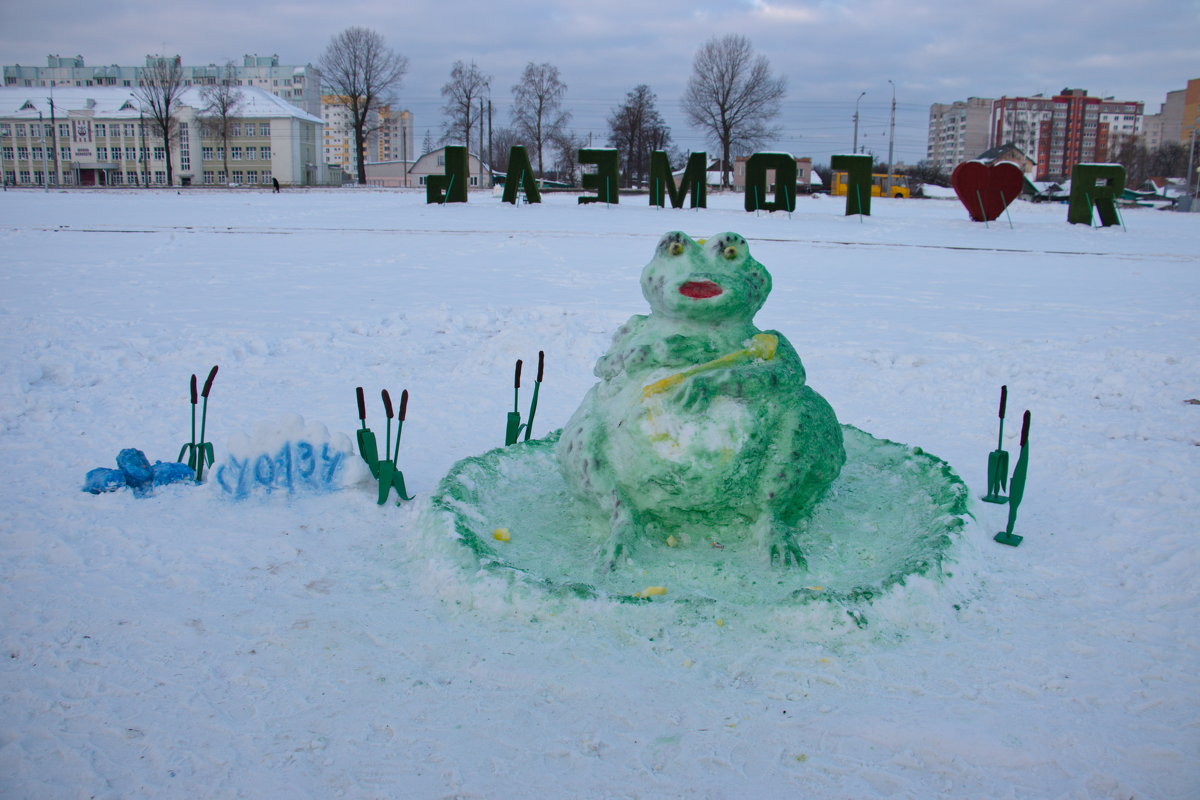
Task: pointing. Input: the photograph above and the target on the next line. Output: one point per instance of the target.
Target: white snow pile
(314, 644)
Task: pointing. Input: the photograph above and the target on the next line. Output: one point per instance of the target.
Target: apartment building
(1165, 126)
(390, 139)
(1067, 129)
(300, 85)
(958, 132)
(99, 136)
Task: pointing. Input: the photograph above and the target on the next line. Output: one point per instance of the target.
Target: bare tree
(158, 93)
(222, 100)
(537, 111)
(466, 87)
(636, 129)
(361, 72)
(566, 146)
(732, 96)
(503, 140)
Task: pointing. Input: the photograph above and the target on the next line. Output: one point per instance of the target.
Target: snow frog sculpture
(700, 420)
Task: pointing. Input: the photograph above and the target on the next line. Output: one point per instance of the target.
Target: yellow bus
(879, 185)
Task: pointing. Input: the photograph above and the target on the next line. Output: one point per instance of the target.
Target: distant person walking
(275, 183)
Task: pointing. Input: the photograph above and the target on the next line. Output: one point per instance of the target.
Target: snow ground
(321, 646)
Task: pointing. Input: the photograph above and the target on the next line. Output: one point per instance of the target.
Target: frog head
(705, 280)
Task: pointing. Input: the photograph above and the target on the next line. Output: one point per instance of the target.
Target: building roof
(1000, 152)
(117, 102)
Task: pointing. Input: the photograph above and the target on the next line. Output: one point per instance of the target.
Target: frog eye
(676, 248)
(730, 252)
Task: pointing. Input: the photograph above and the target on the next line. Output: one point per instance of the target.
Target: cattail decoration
(209, 382)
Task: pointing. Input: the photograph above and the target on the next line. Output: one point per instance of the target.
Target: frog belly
(667, 458)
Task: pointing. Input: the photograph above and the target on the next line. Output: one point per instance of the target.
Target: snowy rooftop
(121, 101)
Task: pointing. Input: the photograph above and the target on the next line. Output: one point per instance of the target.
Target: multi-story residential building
(1166, 125)
(1191, 111)
(958, 131)
(99, 136)
(1067, 129)
(390, 138)
(299, 85)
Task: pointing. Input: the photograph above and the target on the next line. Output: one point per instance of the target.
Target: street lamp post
(856, 102)
(891, 136)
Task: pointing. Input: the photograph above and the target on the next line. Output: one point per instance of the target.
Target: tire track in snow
(282, 231)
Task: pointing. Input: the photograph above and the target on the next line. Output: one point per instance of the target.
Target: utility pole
(1191, 192)
(54, 135)
(856, 102)
(45, 165)
(891, 136)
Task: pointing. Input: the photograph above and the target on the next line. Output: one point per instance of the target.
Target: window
(235, 154)
(101, 129)
(131, 178)
(209, 178)
(266, 176)
(7, 153)
(129, 129)
(5, 129)
(115, 178)
(160, 177)
(237, 176)
(144, 153)
(264, 129)
(251, 176)
(10, 177)
(206, 153)
(159, 153)
(20, 129)
(101, 153)
(23, 153)
(130, 153)
(264, 153)
(116, 154)
(64, 153)
(24, 176)
(235, 129)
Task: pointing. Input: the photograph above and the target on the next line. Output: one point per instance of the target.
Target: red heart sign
(986, 190)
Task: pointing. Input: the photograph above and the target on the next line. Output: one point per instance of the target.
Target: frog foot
(782, 549)
(619, 544)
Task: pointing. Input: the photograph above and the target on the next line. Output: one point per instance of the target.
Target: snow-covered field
(187, 645)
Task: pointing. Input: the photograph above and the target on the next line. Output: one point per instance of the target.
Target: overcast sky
(829, 52)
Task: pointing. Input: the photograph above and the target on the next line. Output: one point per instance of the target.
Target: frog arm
(622, 349)
(753, 376)
(787, 357)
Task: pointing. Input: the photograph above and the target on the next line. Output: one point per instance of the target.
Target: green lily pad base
(894, 512)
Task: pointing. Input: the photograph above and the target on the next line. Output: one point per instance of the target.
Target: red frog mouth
(700, 290)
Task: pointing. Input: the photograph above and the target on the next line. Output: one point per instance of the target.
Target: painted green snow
(736, 437)
(893, 512)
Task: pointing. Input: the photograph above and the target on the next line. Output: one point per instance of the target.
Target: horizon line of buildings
(1053, 133)
(391, 134)
(1056, 133)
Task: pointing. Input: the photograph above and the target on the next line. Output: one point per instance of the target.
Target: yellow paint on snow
(502, 535)
(651, 591)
